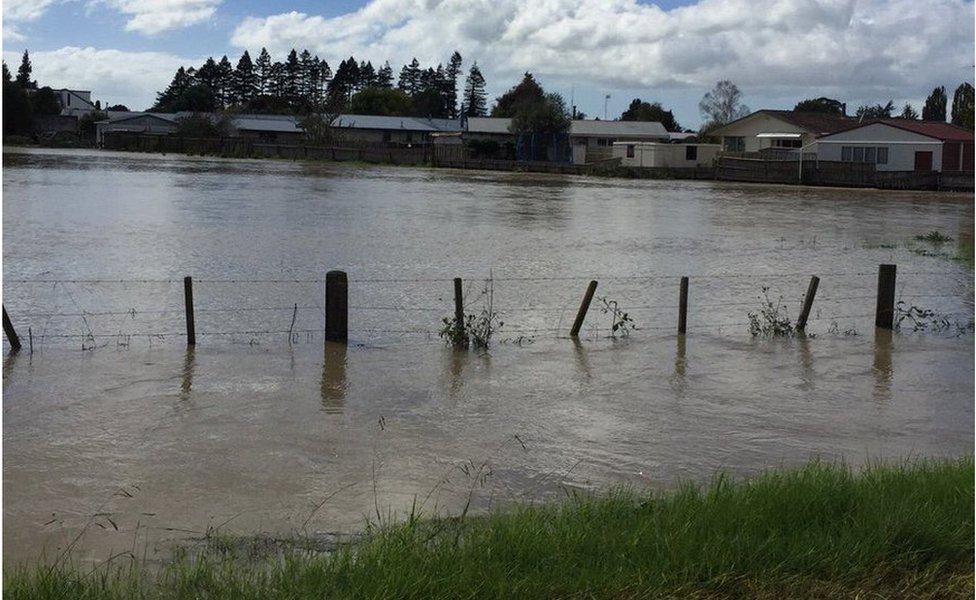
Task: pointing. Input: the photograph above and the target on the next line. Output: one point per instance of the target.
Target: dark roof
(939, 130)
(936, 129)
(813, 122)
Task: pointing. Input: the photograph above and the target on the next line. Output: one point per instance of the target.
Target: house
(282, 129)
(901, 145)
(778, 131)
(593, 140)
(75, 102)
(375, 129)
(136, 122)
(658, 154)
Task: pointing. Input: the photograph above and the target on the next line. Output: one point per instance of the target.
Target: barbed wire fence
(97, 312)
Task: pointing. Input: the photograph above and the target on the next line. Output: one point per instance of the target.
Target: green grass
(821, 531)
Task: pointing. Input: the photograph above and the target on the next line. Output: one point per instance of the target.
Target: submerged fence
(371, 319)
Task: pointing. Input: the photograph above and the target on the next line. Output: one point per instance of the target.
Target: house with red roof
(901, 145)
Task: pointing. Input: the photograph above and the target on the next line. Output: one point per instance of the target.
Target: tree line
(303, 83)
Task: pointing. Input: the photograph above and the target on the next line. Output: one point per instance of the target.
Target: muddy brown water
(135, 442)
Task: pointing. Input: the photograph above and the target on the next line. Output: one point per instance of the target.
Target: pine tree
(225, 83)
(962, 106)
(475, 102)
(452, 73)
(292, 77)
(306, 76)
(935, 105)
(384, 77)
(908, 112)
(410, 77)
(325, 78)
(367, 75)
(277, 81)
(24, 72)
(168, 97)
(262, 69)
(245, 79)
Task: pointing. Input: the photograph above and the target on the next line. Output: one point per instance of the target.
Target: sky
(671, 51)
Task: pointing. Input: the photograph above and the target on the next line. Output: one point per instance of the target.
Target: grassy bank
(817, 532)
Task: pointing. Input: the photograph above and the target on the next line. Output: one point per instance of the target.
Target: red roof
(814, 122)
(947, 132)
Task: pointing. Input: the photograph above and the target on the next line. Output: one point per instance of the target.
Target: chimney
(843, 108)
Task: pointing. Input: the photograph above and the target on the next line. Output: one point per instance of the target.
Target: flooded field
(112, 428)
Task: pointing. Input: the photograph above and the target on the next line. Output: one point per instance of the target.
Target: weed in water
(772, 319)
(922, 319)
(934, 237)
(620, 322)
(477, 329)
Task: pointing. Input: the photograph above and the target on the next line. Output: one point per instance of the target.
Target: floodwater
(117, 436)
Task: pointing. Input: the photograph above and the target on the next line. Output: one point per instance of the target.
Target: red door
(923, 162)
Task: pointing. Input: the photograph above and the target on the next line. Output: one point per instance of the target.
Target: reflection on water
(186, 379)
(883, 344)
(333, 387)
(678, 376)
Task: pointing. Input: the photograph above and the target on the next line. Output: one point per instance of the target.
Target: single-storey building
(778, 131)
(136, 122)
(657, 154)
(593, 140)
(901, 145)
(281, 129)
(374, 129)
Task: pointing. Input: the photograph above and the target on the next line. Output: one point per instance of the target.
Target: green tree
(24, 72)
(245, 80)
(962, 106)
(262, 69)
(452, 72)
(820, 105)
(409, 80)
(203, 125)
(548, 115)
(527, 93)
(877, 111)
(384, 77)
(723, 104)
(381, 101)
(45, 102)
(650, 111)
(475, 102)
(177, 87)
(86, 124)
(935, 105)
(16, 107)
(908, 112)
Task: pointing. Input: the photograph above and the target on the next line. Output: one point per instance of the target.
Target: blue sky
(859, 51)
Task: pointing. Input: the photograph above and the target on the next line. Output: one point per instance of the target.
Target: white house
(901, 145)
(75, 102)
(656, 154)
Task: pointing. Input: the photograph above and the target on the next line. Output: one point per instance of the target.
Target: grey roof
(121, 116)
(386, 123)
(618, 129)
(273, 123)
(488, 125)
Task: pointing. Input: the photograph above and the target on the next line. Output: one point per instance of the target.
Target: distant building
(659, 154)
(778, 131)
(901, 145)
(375, 129)
(136, 122)
(594, 140)
(75, 102)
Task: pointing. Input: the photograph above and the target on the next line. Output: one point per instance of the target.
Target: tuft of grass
(934, 237)
(820, 531)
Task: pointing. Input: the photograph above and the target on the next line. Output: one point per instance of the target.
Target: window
(869, 154)
(787, 143)
(630, 151)
(858, 154)
(691, 152)
(845, 153)
(882, 155)
(601, 141)
(734, 143)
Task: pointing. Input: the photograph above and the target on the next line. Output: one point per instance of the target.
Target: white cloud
(113, 76)
(16, 12)
(25, 10)
(850, 48)
(150, 17)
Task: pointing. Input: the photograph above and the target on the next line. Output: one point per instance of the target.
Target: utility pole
(605, 100)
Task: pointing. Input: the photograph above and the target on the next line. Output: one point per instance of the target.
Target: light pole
(605, 99)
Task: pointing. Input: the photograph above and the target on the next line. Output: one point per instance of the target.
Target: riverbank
(816, 532)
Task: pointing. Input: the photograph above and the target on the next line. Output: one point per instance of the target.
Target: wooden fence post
(584, 306)
(885, 312)
(191, 330)
(801, 321)
(683, 306)
(8, 330)
(336, 307)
